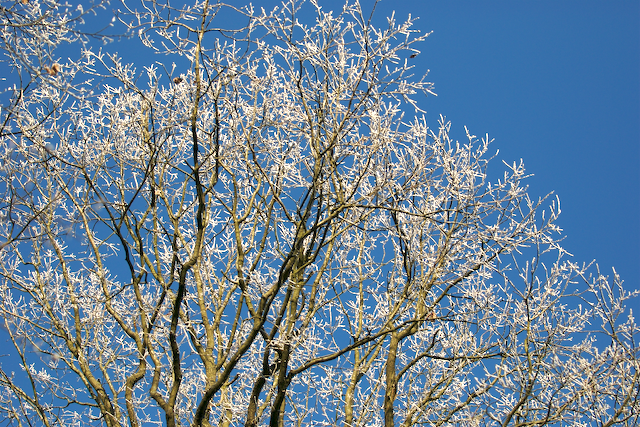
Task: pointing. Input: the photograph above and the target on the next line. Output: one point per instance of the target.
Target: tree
(263, 238)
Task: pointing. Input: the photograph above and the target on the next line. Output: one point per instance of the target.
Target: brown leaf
(55, 69)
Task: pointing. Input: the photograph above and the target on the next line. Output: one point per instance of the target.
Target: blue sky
(556, 83)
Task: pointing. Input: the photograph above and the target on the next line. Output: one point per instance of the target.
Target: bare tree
(264, 237)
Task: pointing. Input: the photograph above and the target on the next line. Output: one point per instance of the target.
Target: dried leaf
(55, 69)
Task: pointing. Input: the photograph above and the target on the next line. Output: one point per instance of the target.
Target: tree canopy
(261, 228)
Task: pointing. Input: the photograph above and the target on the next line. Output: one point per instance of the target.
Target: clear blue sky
(556, 83)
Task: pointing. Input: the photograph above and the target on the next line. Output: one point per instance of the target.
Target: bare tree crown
(268, 232)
